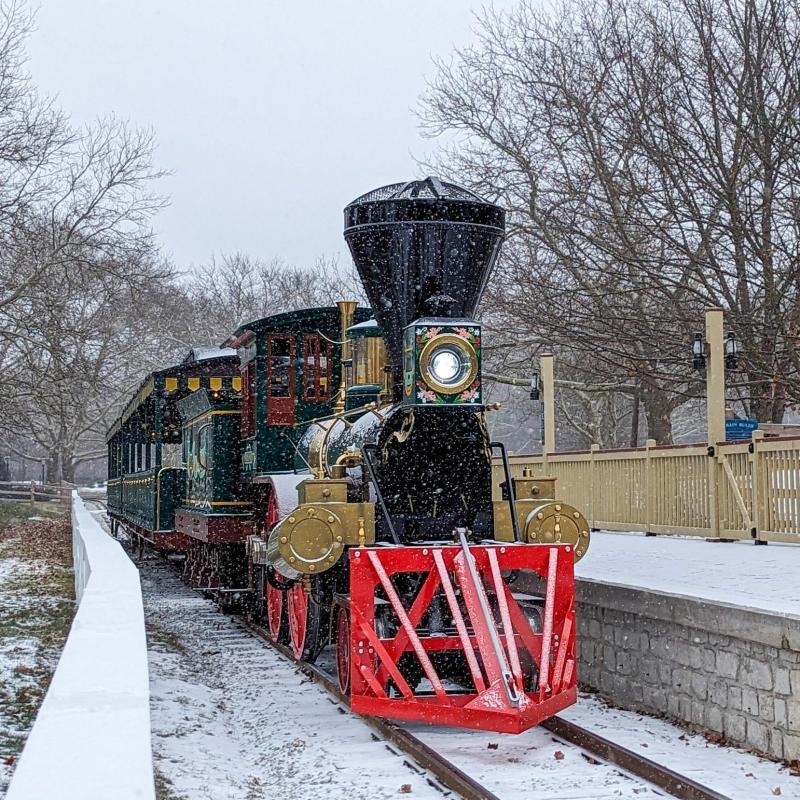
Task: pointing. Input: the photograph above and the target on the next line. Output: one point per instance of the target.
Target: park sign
(740, 428)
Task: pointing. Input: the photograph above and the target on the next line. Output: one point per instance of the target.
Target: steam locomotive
(333, 472)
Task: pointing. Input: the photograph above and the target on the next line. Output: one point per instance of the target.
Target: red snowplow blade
(514, 674)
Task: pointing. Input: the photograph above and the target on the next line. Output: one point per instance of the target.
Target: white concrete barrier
(91, 738)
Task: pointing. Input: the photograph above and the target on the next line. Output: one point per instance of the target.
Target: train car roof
(367, 329)
(289, 318)
(195, 371)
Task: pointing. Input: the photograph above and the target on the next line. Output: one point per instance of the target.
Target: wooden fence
(742, 490)
(31, 491)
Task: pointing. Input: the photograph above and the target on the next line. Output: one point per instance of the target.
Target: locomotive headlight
(448, 363)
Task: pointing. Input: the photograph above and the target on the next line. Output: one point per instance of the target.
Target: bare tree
(238, 288)
(647, 152)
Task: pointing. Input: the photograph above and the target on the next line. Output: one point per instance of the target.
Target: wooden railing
(742, 490)
(34, 492)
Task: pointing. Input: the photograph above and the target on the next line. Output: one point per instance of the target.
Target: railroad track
(662, 779)
(673, 783)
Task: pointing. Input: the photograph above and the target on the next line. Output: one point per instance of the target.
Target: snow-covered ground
(739, 573)
(35, 610)
(537, 766)
(733, 773)
(18, 660)
(233, 720)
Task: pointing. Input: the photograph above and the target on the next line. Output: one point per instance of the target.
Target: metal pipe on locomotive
(396, 538)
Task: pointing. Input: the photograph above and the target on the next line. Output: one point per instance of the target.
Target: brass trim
(216, 503)
(347, 310)
(458, 341)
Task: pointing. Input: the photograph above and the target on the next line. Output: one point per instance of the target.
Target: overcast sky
(272, 115)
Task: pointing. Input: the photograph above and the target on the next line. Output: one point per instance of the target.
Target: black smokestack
(423, 248)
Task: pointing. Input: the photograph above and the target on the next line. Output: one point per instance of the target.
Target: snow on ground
(17, 664)
(536, 765)
(728, 572)
(733, 773)
(233, 720)
(531, 766)
(33, 625)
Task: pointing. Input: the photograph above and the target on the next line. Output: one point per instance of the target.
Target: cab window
(316, 368)
(280, 352)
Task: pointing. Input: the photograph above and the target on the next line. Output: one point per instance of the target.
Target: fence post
(649, 488)
(760, 494)
(33, 493)
(592, 484)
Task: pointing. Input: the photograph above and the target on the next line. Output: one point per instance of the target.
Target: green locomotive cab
(291, 368)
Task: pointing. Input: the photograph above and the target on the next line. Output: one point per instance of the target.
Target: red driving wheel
(274, 609)
(297, 608)
(274, 597)
(343, 649)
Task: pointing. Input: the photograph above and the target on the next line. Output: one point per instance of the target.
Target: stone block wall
(716, 667)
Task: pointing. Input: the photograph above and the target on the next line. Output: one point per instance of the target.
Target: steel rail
(674, 783)
(448, 774)
(670, 781)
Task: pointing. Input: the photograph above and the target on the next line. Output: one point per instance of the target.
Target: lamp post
(731, 351)
(713, 355)
(547, 383)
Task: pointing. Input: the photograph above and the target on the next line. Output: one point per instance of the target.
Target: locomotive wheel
(309, 616)
(276, 618)
(343, 649)
(275, 599)
(297, 605)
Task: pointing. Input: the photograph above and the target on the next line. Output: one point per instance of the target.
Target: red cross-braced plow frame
(484, 610)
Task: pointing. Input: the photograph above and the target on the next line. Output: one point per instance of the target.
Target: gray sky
(272, 115)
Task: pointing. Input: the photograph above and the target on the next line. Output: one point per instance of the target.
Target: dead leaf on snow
(776, 791)
(492, 746)
(558, 755)
(405, 788)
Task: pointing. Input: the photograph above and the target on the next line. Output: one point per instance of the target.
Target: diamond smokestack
(423, 248)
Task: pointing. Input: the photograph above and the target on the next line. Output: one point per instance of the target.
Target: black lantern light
(535, 385)
(731, 351)
(698, 352)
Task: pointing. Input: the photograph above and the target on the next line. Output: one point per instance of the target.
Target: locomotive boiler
(407, 555)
